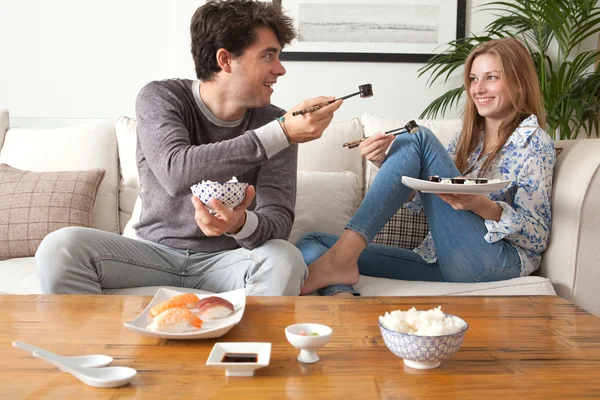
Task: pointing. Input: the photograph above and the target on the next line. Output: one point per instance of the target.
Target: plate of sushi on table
(190, 314)
(436, 184)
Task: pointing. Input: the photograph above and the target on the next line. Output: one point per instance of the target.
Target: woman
(473, 238)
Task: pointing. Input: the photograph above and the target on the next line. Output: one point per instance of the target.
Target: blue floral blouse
(527, 160)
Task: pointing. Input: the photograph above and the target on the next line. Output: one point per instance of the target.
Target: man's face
(256, 70)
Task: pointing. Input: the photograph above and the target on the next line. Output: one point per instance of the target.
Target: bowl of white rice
(230, 193)
(422, 338)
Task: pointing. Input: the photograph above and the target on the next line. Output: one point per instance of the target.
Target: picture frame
(409, 31)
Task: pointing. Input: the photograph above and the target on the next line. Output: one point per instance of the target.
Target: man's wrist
(238, 227)
(281, 121)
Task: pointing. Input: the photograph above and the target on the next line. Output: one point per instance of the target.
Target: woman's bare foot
(338, 265)
(327, 271)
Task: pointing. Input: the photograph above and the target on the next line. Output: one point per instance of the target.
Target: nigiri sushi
(214, 307)
(174, 320)
(184, 300)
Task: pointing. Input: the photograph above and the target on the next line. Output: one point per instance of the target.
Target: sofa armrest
(572, 259)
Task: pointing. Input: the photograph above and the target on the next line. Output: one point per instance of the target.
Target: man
(219, 126)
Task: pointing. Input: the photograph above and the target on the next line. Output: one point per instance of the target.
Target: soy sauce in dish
(240, 358)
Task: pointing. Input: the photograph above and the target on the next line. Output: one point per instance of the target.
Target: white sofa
(331, 182)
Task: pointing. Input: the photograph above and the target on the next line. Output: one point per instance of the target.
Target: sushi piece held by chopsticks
(410, 127)
(364, 91)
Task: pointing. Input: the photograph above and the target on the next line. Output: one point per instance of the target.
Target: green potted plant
(553, 31)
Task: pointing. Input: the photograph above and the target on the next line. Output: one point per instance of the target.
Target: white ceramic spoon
(90, 361)
(105, 377)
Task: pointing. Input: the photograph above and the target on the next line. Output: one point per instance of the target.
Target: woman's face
(489, 89)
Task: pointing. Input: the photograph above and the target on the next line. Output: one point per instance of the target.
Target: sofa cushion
(325, 202)
(33, 204)
(19, 276)
(522, 286)
(83, 147)
(3, 125)
(326, 154)
(129, 182)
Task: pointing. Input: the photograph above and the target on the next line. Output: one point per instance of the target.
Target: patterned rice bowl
(422, 352)
(229, 193)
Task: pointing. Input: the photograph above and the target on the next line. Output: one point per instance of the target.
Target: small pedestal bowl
(308, 338)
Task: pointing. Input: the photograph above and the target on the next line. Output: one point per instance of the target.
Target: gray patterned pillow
(405, 229)
(33, 204)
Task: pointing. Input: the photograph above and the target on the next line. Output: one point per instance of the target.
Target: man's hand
(477, 203)
(225, 220)
(310, 126)
(373, 148)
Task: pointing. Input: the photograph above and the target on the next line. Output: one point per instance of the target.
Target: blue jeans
(463, 253)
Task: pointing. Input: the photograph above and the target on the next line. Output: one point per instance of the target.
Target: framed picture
(365, 30)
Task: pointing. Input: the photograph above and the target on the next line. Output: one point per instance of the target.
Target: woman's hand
(373, 148)
(477, 203)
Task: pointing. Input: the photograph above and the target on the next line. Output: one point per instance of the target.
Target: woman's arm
(526, 221)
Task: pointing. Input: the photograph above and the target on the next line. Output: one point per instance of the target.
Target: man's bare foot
(328, 271)
(343, 294)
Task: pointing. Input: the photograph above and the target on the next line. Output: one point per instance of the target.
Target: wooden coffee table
(516, 347)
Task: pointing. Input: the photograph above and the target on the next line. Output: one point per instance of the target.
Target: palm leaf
(571, 92)
(442, 103)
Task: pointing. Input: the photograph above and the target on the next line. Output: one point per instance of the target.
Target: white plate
(211, 328)
(437, 187)
(262, 350)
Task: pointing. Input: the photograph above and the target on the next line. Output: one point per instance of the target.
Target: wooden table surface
(516, 347)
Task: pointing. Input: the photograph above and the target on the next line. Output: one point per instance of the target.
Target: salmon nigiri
(184, 300)
(174, 320)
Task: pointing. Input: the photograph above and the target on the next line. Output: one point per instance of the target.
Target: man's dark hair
(231, 25)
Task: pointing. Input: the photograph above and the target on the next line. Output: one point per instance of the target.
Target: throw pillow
(33, 204)
(405, 229)
(325, 202)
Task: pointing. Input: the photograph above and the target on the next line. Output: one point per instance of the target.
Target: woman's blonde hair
(518, 71)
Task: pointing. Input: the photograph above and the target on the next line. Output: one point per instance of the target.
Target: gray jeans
(83, 260)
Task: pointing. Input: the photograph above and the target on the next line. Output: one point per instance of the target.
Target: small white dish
(437, 187)
(219, 350)
(211, 328)
(308, 338)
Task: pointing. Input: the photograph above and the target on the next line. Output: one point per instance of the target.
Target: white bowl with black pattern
(229, 193)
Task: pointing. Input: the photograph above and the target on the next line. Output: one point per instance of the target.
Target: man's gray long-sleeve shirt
(180, 143)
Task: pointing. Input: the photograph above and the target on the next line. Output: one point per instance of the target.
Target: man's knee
(285, 263)
(278, 250)
(53, 255)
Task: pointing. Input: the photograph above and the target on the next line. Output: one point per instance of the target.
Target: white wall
(84, 59)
